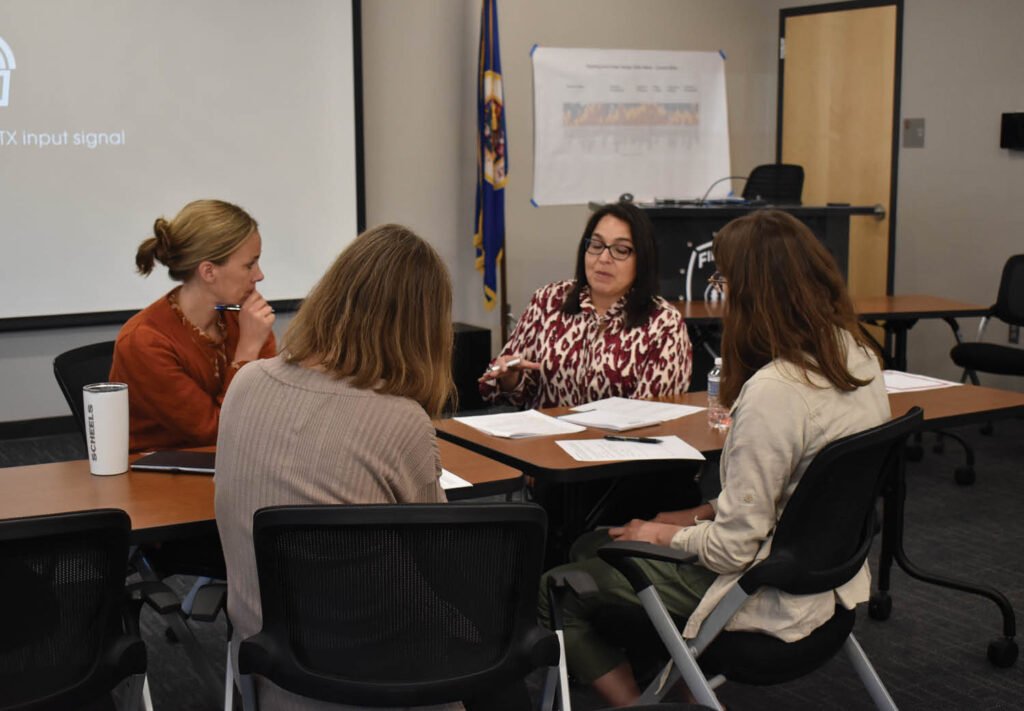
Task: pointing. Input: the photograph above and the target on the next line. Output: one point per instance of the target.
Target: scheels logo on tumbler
(92, 435)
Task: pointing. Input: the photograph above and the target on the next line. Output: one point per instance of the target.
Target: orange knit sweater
(176, 378)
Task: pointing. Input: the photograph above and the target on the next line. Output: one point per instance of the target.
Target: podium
(683, 235)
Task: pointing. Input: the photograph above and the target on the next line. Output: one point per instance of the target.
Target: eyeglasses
(619, 252)
(717, 282)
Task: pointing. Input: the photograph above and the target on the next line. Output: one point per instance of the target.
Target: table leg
(1002, 651)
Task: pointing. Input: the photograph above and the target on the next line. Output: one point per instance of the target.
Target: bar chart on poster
(606, 122)
(116, 112)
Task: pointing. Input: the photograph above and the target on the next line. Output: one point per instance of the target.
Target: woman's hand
(507, 371)
(254, 323)
(660, 534)
(687, 517)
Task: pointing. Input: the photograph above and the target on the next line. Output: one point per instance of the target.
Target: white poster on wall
(607, 122)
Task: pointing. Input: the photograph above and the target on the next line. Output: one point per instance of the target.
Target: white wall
(960, 211)
(959, 215)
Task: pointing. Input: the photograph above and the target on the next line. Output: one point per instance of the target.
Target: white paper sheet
(450, 480)
(896, 381)
(648, 122)
(619, 413)
(603, 450)
(515, 425)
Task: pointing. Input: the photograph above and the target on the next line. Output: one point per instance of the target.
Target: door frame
(786, 13)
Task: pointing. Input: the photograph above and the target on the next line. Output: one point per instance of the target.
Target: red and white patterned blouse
(587, 357)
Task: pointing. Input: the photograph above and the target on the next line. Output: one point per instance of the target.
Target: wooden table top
(163, 506)
(540, 456)
(867, 307)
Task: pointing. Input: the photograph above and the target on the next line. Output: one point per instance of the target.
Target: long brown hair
(785, 300)
(381, 316)
(203, 231)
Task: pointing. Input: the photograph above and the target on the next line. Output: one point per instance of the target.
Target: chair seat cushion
(760, 659)
(989, 358)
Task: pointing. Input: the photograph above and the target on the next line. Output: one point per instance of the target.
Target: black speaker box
(1012, 134)
(471, 355)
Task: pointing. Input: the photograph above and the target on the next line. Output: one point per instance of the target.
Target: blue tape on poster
(722, 52)
(534, 202)
(533, 49)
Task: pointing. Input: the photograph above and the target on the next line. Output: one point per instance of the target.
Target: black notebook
(176, 461)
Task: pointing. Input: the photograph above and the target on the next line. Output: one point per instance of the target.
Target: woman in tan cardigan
(342, 415)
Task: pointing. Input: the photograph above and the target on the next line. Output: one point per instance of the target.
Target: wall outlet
(1014, 334)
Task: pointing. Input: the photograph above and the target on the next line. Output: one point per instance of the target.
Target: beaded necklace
(216, 349)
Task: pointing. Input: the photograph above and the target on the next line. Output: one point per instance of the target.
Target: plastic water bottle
(718, 414)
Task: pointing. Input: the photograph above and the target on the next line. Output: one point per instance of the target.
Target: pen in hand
(231, 307)
(624, 438)
(510, 364)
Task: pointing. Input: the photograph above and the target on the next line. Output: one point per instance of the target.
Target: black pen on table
(624, 438)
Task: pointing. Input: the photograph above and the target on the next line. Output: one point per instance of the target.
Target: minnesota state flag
(491, 158)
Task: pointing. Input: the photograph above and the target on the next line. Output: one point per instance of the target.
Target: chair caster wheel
(915, 452)
(964, 476)
(880, 607)
(170, 636)
(1002, 652)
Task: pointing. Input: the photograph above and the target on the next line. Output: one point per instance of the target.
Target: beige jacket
(780, 422)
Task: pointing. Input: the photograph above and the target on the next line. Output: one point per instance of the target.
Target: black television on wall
(1012, 134)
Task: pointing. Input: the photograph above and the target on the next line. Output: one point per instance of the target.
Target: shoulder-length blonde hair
(785, 300)
(381, 316)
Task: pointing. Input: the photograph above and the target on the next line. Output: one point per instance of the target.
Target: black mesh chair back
(1009, 304)
(778, 183)
(79, 367)
(398, 605)
(62, 595)
(826, 529)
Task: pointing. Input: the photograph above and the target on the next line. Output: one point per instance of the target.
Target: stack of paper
(603, 450)
(515, 425)
(896, 381)
(619, 413)
(452, 481)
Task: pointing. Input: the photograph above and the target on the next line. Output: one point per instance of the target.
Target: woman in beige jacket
(798, 373)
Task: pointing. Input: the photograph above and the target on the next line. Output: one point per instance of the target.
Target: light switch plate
(913, 133)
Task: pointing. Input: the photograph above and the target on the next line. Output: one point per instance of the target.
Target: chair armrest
(209, 601)
(623, 556)
(540, 648)
(155, 594)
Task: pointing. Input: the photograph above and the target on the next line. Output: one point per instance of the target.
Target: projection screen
(116, 112)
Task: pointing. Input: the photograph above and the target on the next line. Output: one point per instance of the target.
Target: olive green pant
(591, 623)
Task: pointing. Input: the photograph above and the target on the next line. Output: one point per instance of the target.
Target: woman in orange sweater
(180, 353)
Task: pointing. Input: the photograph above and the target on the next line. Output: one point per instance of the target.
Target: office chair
(1009, 307)
(992, 358)
(820, 543)
(397, 605)
(79, 367)
(776, 183)
(71, 634)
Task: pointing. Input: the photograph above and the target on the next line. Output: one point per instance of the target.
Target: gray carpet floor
(930, 653)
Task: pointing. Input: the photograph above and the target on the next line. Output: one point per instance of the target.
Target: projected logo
(6, 65)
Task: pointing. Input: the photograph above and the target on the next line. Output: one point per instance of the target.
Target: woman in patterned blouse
(605, 333)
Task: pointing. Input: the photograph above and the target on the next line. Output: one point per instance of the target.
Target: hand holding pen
(507, 370)
(255, 319)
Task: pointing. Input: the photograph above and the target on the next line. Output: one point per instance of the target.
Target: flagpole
(506, 311)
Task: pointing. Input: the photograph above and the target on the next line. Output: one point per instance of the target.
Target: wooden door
(838, 106)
